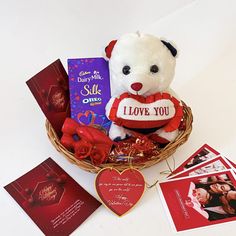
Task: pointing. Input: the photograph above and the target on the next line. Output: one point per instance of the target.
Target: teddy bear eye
(126, 70)
(154, 69)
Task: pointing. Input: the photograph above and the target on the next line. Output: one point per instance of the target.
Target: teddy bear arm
(174, 94)
(108, 106)
(170, 136)
(118, 132)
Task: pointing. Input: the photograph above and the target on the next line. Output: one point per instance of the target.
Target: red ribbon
(86, 141)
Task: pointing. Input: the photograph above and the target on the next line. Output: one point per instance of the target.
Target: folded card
(89, 90)
(52, 199)
(202, 200)
(51, 90)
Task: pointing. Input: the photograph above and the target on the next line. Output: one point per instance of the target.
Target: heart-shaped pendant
(120, 192)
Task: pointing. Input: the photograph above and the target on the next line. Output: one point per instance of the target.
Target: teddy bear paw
(170, 136)
(117, 133)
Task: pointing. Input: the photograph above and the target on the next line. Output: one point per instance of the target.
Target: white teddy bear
(141, 70)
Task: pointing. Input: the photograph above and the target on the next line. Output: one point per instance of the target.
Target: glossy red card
(201, 200)
(204, 153)
(50, 88)
(120, 192)
(232, 163)
(52, 199)
(212, 165)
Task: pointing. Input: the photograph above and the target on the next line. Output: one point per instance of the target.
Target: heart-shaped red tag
(120, 192)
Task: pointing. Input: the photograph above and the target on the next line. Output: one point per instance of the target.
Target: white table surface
(35, 33)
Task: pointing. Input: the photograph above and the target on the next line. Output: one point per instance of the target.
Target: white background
(35, 33)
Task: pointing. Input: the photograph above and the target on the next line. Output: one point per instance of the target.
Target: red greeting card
(52, 199)
(202, 200)
(120, 192)
(204, 153)
(213, 165)
(232, 163)
(51, 91)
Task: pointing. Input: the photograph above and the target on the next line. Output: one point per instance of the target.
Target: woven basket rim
(165, 152)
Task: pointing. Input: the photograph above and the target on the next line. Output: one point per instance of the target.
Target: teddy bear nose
(136, 86)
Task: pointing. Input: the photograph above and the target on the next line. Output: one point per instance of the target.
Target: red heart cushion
(136, 111)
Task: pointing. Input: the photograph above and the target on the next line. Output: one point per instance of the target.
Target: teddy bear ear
(109, 48)
(170, 47)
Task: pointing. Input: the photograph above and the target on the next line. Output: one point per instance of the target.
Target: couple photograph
(214, 197)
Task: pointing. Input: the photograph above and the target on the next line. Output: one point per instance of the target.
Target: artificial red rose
(98, 155)
(90, 140)
(82, 149)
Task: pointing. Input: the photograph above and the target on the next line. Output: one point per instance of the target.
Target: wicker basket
(163, 154)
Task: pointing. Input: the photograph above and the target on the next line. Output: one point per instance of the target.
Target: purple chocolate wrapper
(89, 90)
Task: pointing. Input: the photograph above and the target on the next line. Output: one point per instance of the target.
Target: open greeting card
(52, 199)
(203, 194)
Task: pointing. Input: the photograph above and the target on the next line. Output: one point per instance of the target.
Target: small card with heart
(89, 84)
(120, 191)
